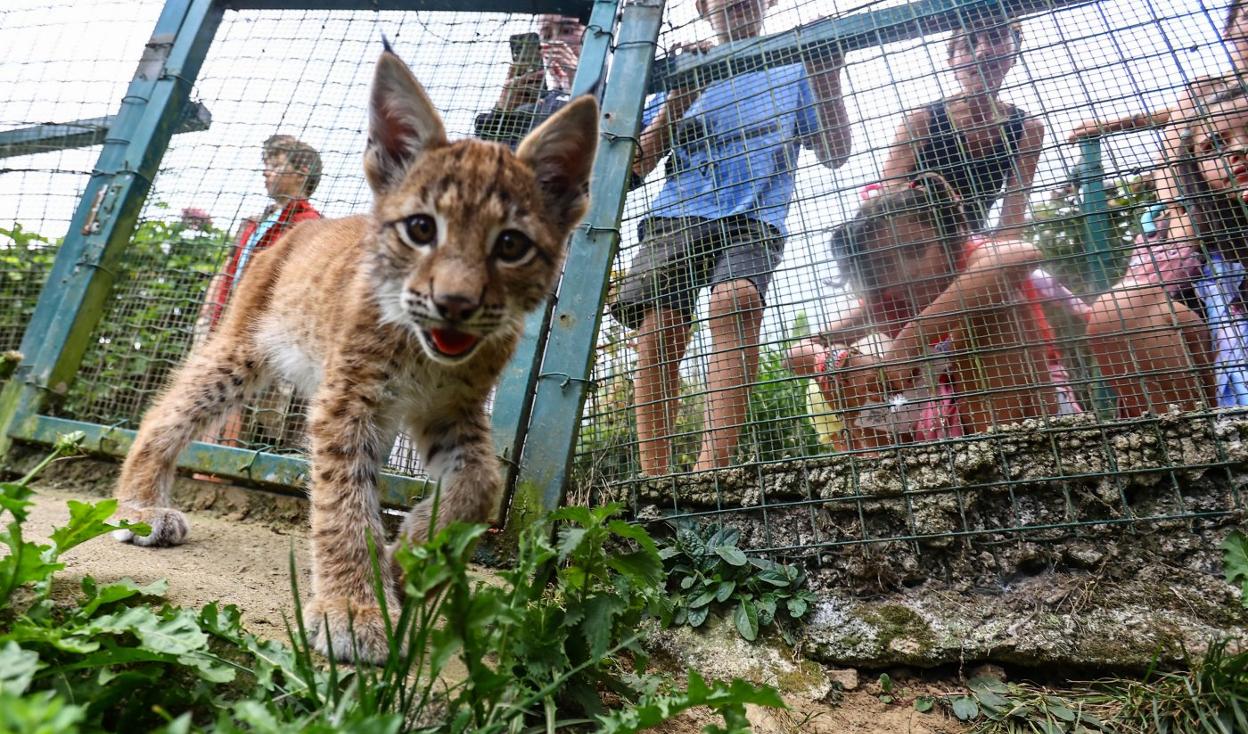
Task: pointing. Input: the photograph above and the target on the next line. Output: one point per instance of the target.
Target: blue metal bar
(564, 380)
(72, 301)
(575, 8)
(840, 34)
(271, 470)
(514, 397)
(51, 137)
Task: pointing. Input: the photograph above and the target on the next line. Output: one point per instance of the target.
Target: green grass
(542, 649)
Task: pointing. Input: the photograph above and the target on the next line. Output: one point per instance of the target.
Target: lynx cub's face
(470, 235)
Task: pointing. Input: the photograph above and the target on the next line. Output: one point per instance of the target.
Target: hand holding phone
(526, 76)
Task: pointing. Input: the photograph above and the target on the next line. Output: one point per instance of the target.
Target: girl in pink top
(968, 346)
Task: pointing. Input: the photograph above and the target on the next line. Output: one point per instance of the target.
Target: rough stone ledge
(1078, 451)
(1062, 543)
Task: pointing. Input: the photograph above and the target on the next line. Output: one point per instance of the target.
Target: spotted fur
(386, 331)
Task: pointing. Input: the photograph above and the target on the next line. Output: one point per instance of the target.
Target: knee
(734, 298)
(803, 357)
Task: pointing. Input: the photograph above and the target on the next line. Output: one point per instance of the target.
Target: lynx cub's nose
(456, 307)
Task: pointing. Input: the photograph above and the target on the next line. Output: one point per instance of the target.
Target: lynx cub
(402, 318)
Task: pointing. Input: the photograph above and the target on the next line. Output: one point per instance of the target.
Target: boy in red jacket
(292, 170)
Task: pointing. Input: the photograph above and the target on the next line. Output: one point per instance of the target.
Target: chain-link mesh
(934, 334)
(71, 94)
(294, 73)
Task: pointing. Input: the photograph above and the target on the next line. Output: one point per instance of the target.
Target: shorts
(680, 256)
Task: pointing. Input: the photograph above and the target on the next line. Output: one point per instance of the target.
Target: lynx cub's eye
(512, 246)
(418, 230)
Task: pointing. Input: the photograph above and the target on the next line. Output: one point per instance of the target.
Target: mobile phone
(526, 51)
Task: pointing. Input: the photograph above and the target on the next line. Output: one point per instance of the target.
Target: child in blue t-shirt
(719, 222)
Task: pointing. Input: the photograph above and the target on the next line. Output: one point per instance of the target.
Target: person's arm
(848, 328)
(902, 159)
(995, 271)
(1138, 121)
(656, 136)
(1018, 184)
(832, 140)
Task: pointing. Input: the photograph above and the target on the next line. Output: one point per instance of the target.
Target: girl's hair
(1232, 12)
(1220, 221)
(928, 197)
(964, 35)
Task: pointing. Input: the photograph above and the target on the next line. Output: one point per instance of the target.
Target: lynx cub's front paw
(169, 526)
(355, 630)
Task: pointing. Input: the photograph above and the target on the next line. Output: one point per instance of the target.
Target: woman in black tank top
(986, 148)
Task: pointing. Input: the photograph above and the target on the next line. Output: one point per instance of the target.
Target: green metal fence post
(1094, 206)
(564, 378)
(514, 397)
(72, 301)
(1094, 209)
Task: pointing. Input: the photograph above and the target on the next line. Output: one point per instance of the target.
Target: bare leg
(349, 440)
(656, 389)
(1153, 351)
(214, 380)
(736, 320)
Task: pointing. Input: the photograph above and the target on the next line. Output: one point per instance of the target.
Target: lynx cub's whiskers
(400, 319)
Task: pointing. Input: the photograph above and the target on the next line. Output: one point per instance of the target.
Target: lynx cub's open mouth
(451, 343)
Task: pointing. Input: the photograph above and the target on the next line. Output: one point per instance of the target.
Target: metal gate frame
(543, 390)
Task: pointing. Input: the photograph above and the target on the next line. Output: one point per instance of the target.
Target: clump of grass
(1210, 698)
(539, 649)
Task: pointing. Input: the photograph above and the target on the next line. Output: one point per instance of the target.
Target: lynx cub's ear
(561, 153)
(402, 124)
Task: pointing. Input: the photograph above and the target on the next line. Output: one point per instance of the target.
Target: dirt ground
(242, 561)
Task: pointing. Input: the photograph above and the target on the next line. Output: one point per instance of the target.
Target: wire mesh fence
(971, 282)
(939, 285)
(41, 180)
(286, 94)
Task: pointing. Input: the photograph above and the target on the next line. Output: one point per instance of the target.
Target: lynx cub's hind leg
(212, 382)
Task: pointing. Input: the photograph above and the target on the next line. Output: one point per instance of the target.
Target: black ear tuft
(385, 44)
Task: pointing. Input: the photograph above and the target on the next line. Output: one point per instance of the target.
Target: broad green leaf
(639, 565)
(702, 598)
(207, 667)
(797, 608)
(176, 636)
(746, 619)
(725, 590)
(599, 624)
(15, 498)
(569, 540)
(17, 668)
(698, 616)
(923, 704)
(731, 555)
(86, 521)
(774, 577)
(123, 589)
(965, 708)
